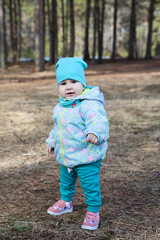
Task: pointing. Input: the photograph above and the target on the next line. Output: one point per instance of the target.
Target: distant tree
(101, 11)
(95, 21)
(12, 30)
(2, 36)
(86, 44)
(40, 66)
(15, 28)
(19, 28)
(150, 24)
(53, 33)
(132, 34)
(14, 9)
(48, 13)
(72, 28)
(63, 29)
(67, 17)
(65, 20)
(114, 30)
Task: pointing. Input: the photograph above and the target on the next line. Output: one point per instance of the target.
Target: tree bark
(49, 25)
(100, 30)
(86, 46)
(54, 33)
(19, 29)
(56, 37)
(63, 30)
(132, 35)
(94, 28)
(40, 66)
(12, 29)
(67, 28)
(72, 28)
(114, 30)
(150, 24)
(2, 36)
(15, 30)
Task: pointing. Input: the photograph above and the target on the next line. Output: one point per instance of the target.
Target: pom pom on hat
(71, 68)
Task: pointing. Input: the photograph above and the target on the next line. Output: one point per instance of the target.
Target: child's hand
(49, 150)
(91, 138)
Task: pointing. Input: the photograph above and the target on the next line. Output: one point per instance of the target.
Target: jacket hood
(92, 93)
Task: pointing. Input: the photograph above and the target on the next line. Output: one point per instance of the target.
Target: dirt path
(130, 174)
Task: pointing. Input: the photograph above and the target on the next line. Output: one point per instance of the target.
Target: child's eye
(62, 83)
(73, 81)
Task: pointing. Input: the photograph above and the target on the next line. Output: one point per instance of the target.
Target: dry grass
(130, 173)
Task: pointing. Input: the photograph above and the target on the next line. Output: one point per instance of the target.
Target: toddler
(78, 139)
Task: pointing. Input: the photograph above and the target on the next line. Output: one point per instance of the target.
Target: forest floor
(130, 173)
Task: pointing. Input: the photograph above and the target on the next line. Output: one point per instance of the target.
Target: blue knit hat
(71, 68)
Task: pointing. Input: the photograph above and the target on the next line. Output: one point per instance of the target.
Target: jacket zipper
(64, 160)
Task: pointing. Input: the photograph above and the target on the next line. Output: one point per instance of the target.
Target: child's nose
(69, 86)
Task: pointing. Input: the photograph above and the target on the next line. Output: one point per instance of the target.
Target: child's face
(70, 89)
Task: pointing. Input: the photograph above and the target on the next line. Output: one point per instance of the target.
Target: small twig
(22, 140)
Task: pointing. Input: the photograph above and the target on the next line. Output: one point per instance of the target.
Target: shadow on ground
(130, 203)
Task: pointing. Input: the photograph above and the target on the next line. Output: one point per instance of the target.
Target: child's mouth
(69, 93)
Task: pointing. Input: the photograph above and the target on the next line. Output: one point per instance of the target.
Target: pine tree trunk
(15, 31)
(2, 36)
(72, 30)
(100, 31)
(132, 35)
(63, 30)
(12, 29)
(49, 25)
(40, 66)
(44, 27)
(94, 28)
(54, 41)
(86, 47)
(19, 29)
(114, 30)
(150, 23)
(67, 28)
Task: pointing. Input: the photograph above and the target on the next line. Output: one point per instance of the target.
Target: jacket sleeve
(95, 118)
(50, 139)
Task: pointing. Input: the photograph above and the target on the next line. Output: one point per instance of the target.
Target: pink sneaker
(60, 207)
(91, 221)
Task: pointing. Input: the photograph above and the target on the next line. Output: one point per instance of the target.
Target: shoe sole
(60, 213)
(89, 228)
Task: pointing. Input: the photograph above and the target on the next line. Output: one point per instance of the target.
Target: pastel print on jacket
(73, 120)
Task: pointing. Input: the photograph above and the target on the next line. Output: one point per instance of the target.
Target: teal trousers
(89, 175)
